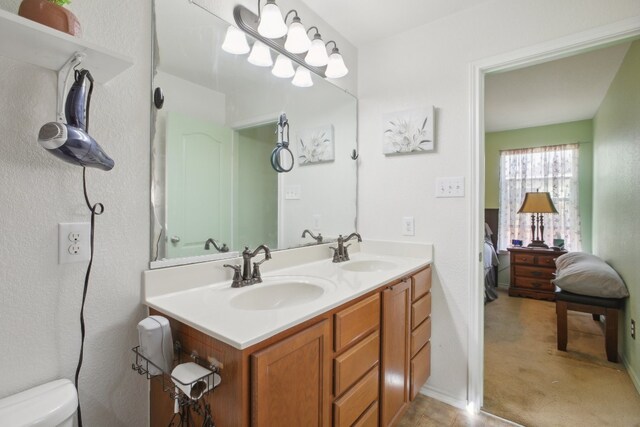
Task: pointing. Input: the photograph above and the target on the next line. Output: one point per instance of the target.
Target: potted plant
(52, 14)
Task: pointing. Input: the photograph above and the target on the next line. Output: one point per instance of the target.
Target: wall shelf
(28, 41)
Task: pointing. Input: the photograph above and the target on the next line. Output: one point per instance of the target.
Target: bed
(490, 258)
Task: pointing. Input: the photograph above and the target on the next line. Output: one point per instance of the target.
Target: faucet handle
(336, 257)
(236, 282)
(345, 253)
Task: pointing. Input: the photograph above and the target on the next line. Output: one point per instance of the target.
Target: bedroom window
(553, 169)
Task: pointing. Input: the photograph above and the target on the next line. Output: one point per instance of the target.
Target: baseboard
(503, 285)
(443, 397)
(635, 378)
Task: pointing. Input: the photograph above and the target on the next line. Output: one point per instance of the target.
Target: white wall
(40, 300)
(430, 65)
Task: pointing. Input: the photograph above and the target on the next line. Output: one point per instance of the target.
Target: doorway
(560, 48)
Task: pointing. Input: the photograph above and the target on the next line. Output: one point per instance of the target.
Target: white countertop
(207, 308)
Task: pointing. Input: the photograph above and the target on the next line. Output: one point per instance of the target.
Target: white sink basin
(281, 292)
(370, 265)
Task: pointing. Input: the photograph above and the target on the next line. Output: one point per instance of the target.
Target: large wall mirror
(212, 144)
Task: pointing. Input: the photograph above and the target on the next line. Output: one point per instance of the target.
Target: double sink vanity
(316, 342)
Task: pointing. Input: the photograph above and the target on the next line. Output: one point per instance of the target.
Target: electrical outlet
(408, 226)
(633, 329)
(317, 219)
(74, 243)
(292, 192)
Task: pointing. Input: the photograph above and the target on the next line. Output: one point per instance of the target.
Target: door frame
(596, 38)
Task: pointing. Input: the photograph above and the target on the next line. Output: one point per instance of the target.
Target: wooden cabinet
(396, 326)
(291, 380)
(358, 364)
(532, 270)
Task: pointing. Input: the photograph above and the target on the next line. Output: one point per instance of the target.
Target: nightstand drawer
(535, 272)
(548, 261)
(529, 283)
(528, 259)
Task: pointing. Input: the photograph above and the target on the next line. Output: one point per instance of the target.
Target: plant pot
(51, 15)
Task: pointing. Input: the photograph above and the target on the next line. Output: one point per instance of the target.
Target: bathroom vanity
(356, 354)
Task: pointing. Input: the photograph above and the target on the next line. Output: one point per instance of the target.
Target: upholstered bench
(596, 306)
(587, 284)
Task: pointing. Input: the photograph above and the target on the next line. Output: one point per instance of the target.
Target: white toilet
(50, 404)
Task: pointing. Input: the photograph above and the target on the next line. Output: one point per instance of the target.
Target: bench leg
(596, 317)
(561, 314)
(611, 334)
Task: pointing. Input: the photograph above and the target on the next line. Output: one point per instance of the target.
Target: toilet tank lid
(45, 405)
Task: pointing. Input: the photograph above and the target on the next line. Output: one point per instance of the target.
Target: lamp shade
(317, 55)
(235, 41)
(302, 77)
(297, 38)
(272, 24)
(283, 68)
(537, 203)
(335, 67)
(260, 55)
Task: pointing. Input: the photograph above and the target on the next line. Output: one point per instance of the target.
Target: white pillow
(586, 274)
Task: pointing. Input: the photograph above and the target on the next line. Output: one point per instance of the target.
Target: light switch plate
(450, 186)
(408, 226)
(292, 192)
(74, 242)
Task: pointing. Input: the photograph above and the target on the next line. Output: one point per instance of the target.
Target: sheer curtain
(553, 169)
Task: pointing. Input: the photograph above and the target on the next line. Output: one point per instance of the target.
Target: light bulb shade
(297, 38)
(302, 77)
(260, 55)
(271, 25)
(335, 67)
(317, 55)
(537, 203)
(283, 68)
(235, 41)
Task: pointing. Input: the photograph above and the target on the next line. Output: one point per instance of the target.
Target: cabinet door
(396, 327)
(291, 380)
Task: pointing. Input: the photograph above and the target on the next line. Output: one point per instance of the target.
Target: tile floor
(427, 412)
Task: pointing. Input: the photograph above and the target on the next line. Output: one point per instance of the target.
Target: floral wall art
(408, 131)
(315, 145)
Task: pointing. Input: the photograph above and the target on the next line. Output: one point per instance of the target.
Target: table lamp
(537, 204)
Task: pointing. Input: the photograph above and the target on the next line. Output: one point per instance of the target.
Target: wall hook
(354, 155)
(63, 77)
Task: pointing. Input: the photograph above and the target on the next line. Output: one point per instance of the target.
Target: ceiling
(366, 21)
(559, 91)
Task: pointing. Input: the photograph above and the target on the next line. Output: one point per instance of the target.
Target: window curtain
(553, 169)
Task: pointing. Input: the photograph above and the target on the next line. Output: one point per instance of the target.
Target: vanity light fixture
(297, 38)
(235, 41)
(335, 67)
(271, 24)
(317, 55)
(302, 77)
(260, 55)
(283, 68)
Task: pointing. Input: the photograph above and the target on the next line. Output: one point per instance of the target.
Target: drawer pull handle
(536, 273)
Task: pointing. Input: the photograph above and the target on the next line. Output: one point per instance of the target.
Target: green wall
(616, 231)
(565, 133)
(256, 193)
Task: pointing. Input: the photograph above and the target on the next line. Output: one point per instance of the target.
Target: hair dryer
(71, 142)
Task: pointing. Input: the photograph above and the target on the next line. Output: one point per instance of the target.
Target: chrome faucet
(245, 276)
(340, 254)
(209, 242)
(317, 238)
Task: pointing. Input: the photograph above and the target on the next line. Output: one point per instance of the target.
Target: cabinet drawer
(420, 370)
(355, 362)
(546, 260)
(420, 336)
(535, 272)
(421, 283)
(369, 418)
(349, 407)
(523, 259)
(530, 283)
(356, 321)
(420, 310)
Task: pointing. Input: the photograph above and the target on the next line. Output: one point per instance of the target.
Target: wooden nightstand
(531, 272)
